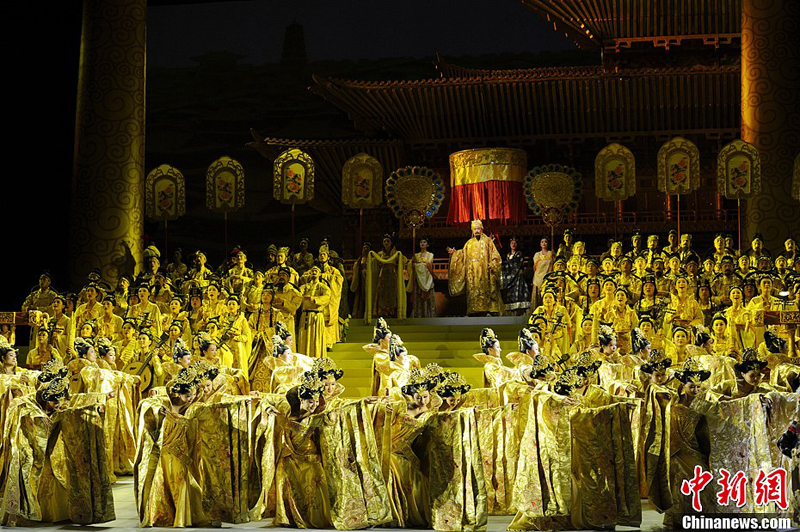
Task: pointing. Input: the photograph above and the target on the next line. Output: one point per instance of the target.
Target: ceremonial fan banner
(553, 191)
(615, 173)
(165, 193)
(678, 167)
(362, 178)
(165, 197)
(486, 184)
(225, 185)
(739, 170)
(414, 193)
(293, 177)
(225, 188)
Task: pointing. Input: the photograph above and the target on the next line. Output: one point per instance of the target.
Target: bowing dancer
(495, 374)
(54, 459)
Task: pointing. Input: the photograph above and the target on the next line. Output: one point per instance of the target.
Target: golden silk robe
(477, 270)
(166, 477)
(286, 301)
(119, 419)
(740, 328)
(592, 486)
(451, 463)
(302, 495)
(742, 435)
(495, 374)
(54, 467)
(499, 439)
(316, 299)
(388, 376)
(222, 455)
(239, 341)
(406, 483)
(333, 278)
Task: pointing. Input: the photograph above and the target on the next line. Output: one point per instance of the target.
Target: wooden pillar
(771, 113)
(108, 177)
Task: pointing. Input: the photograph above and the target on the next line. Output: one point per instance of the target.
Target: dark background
(43, 47)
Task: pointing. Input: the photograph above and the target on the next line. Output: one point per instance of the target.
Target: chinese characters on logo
(769, 487)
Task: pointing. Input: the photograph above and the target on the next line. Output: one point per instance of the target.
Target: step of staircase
(450, 342)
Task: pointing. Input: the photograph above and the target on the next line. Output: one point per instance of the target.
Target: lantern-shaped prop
(615, 176)
(362, 177)
(486, 184)
(225, 188)
(293, 179)
(553, 191)
(739, 174)
(165, 197)
(615, 173)
(678, 169)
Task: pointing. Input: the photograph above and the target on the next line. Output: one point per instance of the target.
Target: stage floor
(128, 520)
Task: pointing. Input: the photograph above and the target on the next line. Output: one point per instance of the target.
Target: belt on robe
(311, 311)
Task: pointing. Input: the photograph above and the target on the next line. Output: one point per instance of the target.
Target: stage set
(555, 298)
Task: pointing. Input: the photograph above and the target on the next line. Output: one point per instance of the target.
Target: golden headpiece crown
(310, 385)
(453, 384)
(434, 372)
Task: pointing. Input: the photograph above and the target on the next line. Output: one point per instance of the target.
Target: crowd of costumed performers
(214, 390)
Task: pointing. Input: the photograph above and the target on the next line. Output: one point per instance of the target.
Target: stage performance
(306, 277)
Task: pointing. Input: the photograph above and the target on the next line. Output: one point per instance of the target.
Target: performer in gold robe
(273, 273)
(332, 277)
(477, 269)
(316, 299)
(287, 300)
(495, 374)
(236, 334)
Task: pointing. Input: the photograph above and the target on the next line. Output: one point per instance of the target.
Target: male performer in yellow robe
(316, 298)
(273, 273)
(286, 300)
(333, 278)
(477, 269)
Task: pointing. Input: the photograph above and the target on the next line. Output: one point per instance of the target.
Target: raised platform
(450, 342)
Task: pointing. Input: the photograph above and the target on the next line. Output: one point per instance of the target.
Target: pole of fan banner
(293, 225)
(413, 272)
(739, 221)
(166, 239)
(360, 242)
(225, 226)
(678, 196)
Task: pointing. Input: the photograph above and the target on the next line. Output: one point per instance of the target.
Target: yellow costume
(477, 269)
(316, 300)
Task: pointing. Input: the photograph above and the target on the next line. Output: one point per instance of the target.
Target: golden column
(771, 113)
(108, 177)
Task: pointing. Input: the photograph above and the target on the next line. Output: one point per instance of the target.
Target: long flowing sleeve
(457, 275)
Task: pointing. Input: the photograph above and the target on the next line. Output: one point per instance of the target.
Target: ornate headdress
(283, 250)
(525, 340)
(103, 346)
(278, 345)
(691, 371)
(454, 384)
(205, 370)
(750, 360)
(567, 382)
(272, 248)
(475, 223)
(488, 338)
(57, 389)
(82, 346)
(586, 365)
(658, 361)
(701, 335)
(719, 316)
(396, 346)
(434, 372)
(6, 348)
(606, 335)
(53, 369)
(417, 382)
(184, 381)
(773, 342)
(180, 350)
(325, 367)
(638, 341)
(540, 367)
(310, 385)
(380, 330)
(282, 331)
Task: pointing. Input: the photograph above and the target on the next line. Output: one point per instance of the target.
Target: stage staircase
(450, 342)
